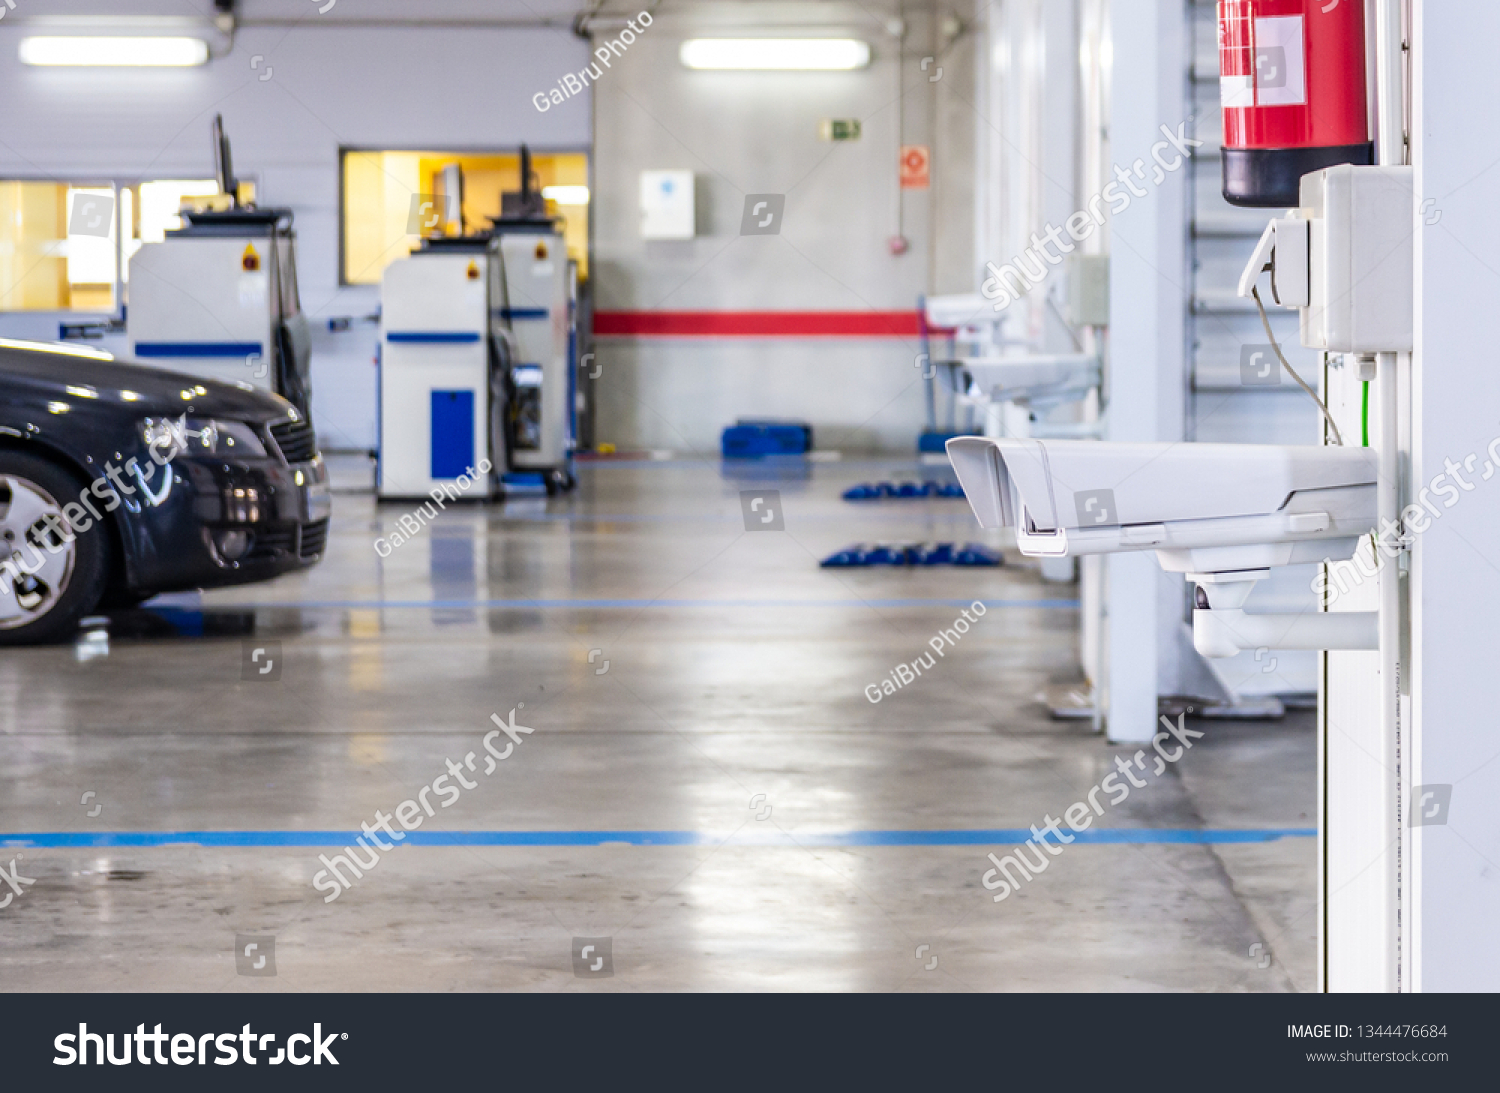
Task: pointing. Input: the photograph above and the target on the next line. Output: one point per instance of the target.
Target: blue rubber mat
(880, 490)
(912, 554)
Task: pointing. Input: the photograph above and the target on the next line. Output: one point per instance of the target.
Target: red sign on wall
(915, 164)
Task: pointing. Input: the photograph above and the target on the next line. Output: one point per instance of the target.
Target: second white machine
(476, 364)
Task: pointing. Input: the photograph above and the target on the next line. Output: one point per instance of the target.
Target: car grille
(274, 543)
(296, 440)
(270, 544)
(314, 539)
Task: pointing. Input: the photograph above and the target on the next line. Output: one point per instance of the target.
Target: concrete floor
(704, 763)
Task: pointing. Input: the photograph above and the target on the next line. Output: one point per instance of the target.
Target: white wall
(744, 133)
(334, 82)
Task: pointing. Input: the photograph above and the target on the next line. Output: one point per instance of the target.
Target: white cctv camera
(1221, 514)
(965, 309)
(1204, 508)
(1033, 378)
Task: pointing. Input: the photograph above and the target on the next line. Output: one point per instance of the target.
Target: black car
(119, 481)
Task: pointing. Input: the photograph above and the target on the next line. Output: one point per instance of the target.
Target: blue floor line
(610, 605)
(753, 837)
(925, 516)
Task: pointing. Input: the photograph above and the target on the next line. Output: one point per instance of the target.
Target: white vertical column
(1059, 141)
(1359, 838)
(1094, 53)
(1147, 336)
(1391, 150)
(1453, 881)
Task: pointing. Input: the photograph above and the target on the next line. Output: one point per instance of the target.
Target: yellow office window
(392, 199)
(57, 246)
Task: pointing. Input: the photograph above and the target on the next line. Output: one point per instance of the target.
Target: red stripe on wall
(757, 324)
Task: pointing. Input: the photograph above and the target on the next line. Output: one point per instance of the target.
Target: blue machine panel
(452, 433)
(199, 349)
(433, 337)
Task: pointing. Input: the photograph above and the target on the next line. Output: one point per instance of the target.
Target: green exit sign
(839, 129)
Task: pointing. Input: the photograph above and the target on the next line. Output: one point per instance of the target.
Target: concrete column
(1147, 335)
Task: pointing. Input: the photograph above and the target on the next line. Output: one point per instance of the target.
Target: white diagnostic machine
(218, 298)
(477, 360)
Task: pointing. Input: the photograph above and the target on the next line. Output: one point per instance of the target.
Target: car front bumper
(223, 522)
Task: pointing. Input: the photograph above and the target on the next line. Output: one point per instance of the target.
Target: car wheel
(50, 576)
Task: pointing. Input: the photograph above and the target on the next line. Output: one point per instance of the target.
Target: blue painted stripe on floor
(753, 837)
(510, 514)
(613, 605)
(893, 466)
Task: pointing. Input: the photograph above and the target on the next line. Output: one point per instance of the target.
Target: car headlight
(202, 436)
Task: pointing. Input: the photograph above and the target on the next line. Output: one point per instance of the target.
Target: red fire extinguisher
(1292, 84)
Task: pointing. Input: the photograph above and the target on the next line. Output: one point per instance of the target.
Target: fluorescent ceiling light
(122, 52)
(775, 53)
(567, 195)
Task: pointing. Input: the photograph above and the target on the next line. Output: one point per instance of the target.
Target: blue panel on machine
(452, 433)
(199, 349)
(433, 337)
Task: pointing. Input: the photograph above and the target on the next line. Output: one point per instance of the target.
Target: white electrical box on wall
(667, 209)
(1360, 259)
(1088, 289)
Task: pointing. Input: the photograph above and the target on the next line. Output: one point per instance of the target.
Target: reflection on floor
(708, 797)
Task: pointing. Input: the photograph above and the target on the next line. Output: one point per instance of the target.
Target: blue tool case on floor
(749, 438)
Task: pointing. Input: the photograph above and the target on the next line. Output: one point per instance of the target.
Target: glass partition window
(382, 191)
(58, 248)
(66, 246)
(160, 204)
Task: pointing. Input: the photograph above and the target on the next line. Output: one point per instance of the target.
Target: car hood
(142, 388)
